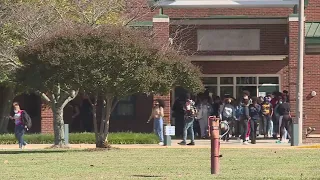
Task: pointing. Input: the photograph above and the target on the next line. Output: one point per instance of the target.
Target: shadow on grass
(32, 151)
(147, 176)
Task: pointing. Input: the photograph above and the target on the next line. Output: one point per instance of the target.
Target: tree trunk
(9, 93)
(95, 123)
(104, 126)
(58, 125)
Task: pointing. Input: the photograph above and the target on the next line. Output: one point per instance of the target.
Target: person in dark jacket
(216, 106)
(244, 119)
(254, 112)
(285, 116)
(178, 115)
(18, 116)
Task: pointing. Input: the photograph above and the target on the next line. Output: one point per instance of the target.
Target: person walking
(244, 120)
(20, 117)
(190, 112)
(157, 115)
(254, 112)
(204, 110)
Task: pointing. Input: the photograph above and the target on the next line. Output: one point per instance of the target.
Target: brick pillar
(293, 23)
(46, 120)
(167, 109)
(161, 37)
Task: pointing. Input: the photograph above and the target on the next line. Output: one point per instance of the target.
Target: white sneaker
(239, 139)
(245, 143)
(161, 143)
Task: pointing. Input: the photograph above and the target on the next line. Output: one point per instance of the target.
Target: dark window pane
(246, 80)
(268, 80)
(226, 80)
(267, 89)
(226, 90)
(209, 80)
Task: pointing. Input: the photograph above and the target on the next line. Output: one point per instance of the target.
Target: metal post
(299, 95)
(166, 137)
(215, 145)
(66, 134)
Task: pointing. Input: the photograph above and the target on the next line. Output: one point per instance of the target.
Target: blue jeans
(19, 132)
(268, 125)
(188, 126)
(158, 128)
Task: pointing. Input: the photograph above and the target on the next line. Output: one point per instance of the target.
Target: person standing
(19, 117)
(190, 112)
(267, 112)
(157, 115)
(227, 114)
(178, 115)
(204, 110)
(244, 120)
(285, 116)
(254, 111)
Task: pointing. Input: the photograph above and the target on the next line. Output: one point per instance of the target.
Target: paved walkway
(199, 144)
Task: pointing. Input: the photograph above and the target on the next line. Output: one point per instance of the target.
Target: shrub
(84, 138)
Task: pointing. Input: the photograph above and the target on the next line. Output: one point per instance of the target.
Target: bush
(84, 138)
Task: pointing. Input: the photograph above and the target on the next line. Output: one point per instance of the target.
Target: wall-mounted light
(313, 93)
(286, 41)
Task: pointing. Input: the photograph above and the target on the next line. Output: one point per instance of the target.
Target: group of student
(269, 116)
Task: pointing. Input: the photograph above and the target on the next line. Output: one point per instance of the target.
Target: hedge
(84, 138)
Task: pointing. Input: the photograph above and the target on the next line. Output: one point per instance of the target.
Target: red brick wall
(312, 11)
(46, 120)
(271, 39)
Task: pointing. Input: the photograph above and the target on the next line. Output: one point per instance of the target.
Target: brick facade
(272, 43)
(46, 120)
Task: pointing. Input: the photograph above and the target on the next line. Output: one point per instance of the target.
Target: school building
(238, 45)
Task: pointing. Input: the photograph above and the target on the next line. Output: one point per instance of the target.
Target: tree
(110, 61)
(26, 20)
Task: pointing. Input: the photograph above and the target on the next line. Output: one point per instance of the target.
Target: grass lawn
(160, 164)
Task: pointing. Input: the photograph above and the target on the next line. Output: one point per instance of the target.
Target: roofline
(226, 3)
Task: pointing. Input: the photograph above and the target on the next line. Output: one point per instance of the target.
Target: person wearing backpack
(227, 114)
(190, 112)
(267, 112)
(22, 121)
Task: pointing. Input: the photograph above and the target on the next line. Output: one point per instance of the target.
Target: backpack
(227, 112)
(26, 119)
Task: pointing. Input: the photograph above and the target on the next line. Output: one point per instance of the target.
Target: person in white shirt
(157, 115)
(204, 111)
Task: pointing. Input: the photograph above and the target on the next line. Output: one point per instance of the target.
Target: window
(210, 80)
(226, 90)
(226, 80)
(268, 80)
(246, 80)
(125, 107)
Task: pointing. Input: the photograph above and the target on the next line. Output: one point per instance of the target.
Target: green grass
(183, 164)
(84, 138)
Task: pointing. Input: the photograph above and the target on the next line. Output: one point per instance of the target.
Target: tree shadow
(32, 151)
(147, 176)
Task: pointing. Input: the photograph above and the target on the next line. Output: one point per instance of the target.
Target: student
(190, 113)
(227, 114)
(244, 120)
(204, 111)
(237, 127)
(254, 112)
(19, 116)
(157, 115)
(284, 112)
(267, 112)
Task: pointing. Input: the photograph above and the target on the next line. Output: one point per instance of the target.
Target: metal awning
(312, 32)
(225, 3)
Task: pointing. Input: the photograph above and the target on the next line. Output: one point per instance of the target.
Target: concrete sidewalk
(199, 144)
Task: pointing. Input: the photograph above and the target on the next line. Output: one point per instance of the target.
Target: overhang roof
(225, 3)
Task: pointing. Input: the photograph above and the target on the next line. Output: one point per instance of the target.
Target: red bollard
(215, 144)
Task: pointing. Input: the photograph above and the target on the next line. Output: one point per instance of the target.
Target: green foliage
(111, 60)
(84, 138)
